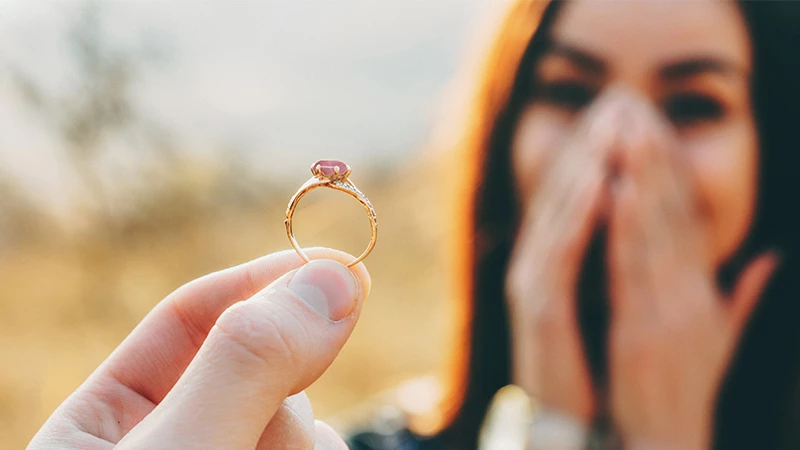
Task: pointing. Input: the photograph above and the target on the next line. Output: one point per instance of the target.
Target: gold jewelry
(335, 175)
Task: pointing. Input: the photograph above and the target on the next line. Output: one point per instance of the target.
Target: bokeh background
(144, 144)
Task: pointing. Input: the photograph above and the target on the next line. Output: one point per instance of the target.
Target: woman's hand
(672, 333)
(221, 363)
(548, 352)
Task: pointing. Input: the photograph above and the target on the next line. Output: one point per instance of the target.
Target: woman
(629, 257)
(571, 193)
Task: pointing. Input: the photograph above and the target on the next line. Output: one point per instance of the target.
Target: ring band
(334, 175)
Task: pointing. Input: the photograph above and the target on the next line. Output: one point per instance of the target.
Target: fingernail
(328, 287)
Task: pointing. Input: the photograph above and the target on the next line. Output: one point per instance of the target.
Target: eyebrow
(581, 58)
(673, 71)
(697, 65)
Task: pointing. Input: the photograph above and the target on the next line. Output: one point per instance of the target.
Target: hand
(221, 363)
(672, 333)
(548, 354)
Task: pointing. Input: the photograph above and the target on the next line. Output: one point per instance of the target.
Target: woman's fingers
(259, 352)
(749, 288)
(626, 242)
(631, 221)
(564, 213)
(666, 239)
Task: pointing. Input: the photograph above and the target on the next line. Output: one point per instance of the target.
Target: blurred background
(144, 144)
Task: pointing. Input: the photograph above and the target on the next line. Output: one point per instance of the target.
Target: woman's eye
(687, 109)
(570, 95)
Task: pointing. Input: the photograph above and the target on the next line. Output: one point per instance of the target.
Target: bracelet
(551, 430)
(514, 421)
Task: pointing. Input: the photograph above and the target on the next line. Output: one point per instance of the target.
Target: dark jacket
(387, 429)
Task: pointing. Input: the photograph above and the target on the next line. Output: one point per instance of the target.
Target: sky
(286, 81)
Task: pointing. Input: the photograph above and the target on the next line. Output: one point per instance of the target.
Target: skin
(661, 147)
(222, 362)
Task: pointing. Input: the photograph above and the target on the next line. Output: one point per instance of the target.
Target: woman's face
(689, 60)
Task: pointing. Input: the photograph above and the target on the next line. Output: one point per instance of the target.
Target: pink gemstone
(328, 167)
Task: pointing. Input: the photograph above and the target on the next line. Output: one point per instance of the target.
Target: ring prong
(336, 170)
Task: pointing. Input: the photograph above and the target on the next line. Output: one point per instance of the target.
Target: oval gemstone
(328, 167)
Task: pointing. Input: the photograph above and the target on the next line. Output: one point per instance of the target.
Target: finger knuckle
(638, 350)
(564, 246)
(562, 251)
(528, 299)
(551, 321)
(258, 331)
(526, 274)
(514, 284)
(517, 283)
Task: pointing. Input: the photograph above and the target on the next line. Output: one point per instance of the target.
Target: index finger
(152, 358)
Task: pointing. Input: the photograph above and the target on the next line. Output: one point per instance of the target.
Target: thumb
(259, 352)
(749, 288)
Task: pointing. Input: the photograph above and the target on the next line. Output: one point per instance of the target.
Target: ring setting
(333, 174)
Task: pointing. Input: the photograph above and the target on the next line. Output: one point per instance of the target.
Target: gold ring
(335, 175)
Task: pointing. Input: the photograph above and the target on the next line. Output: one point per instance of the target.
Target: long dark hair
(759, 402)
